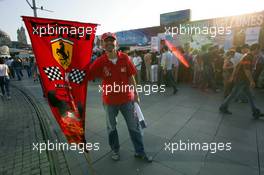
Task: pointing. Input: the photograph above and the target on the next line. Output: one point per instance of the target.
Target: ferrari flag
(63, 50)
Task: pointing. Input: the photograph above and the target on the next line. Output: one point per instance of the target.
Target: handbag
(140, 115)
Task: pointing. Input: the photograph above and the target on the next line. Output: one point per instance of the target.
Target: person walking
(4, 79)
(147, 59)
(137, 61)
(167, 69)
(228, 68)
(9, 63)
(243, 80)
(17, 64)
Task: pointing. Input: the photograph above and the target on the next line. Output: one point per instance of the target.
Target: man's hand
(164, 71)
(230, 80)
(252, 84)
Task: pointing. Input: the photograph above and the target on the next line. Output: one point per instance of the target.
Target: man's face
(109, 44)
(255, 52)
(232, 54)
(244, 50)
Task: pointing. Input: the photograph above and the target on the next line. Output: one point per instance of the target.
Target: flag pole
(86, 152)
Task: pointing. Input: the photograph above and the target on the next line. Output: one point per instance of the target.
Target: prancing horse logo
(62, 51)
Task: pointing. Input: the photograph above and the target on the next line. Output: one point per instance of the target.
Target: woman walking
(4, 79)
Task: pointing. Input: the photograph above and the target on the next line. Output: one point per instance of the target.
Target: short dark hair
(245, 46)
(2, 61)
(165, 47)
(254, 47)
(238, 49)
(211, 48)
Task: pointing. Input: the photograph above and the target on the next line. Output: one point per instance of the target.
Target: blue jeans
(19, 73)
(29, 72)
(135, 132)
(238, 89)
(208, 74)
(4, 85)
(170, 80)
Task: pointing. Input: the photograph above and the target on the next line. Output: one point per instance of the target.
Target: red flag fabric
(177, 53)
(63, 50)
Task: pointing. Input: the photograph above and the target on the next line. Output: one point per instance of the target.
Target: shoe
(115, 156)
(244, 101)
(8, 98)
(224, 111)
(144, 157)
(217, 90)
(194, 86)
(257, 113)
(205, 90)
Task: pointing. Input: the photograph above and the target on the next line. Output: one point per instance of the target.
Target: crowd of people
(210, 67)
(236, 71)
(12, 68)
(243, 73)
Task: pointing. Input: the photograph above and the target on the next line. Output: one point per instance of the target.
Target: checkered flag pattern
(77, 76)
(53, 73)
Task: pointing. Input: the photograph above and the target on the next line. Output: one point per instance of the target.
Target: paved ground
(20, 127)
(190, 116)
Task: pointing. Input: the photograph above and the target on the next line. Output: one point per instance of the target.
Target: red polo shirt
(115, 78)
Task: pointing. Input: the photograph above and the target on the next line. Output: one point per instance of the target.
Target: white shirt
(131, 59)
(114, 60)
(175, 61)
(166, 61)
(3, 70)
(163, 60)
(137, 62)
(235, 60)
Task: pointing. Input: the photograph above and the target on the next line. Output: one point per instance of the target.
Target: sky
(118, 15)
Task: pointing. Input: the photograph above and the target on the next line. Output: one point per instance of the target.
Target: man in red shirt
(119, 94)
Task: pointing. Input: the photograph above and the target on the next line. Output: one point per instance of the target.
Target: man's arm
(166, 64)
(94, 70)
(250, 77)
(247, 70)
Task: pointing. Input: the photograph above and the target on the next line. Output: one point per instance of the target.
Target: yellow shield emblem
(62, 51)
